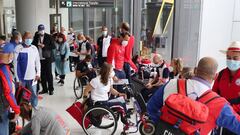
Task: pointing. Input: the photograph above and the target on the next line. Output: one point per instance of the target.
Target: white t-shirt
(106, 44)
(100, 91)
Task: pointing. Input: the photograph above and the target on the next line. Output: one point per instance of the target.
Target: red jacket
(7, 87)
(227, 86)
(128, 53)
(115, 54)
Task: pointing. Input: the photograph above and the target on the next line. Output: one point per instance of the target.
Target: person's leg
(33, 89)
(49, 77)
(127, 70)
(44, 77)
(4, 124)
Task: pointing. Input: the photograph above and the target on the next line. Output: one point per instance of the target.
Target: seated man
(85, 68)
(220, 112)
(159, 76)
(42, 121)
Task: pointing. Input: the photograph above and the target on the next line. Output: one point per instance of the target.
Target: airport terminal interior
(118, 67)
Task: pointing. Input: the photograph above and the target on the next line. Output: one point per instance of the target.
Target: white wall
(31, 13)
(216, 28)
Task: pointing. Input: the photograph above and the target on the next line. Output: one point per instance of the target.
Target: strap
(208, 96)
(182, 86)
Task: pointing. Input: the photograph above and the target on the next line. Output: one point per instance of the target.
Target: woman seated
(99, 88)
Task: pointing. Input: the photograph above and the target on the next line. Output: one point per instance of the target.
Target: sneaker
(57, 78)
(60, 81)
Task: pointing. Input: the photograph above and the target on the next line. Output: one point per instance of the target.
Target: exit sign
(87, 3)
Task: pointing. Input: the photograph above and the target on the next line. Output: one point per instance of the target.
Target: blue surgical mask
(28, 42)
(233, 65)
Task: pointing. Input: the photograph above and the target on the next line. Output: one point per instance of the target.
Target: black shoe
(42, 92)
(60, 81)
(50, 92)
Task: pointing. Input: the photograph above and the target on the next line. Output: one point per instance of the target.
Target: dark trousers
(46, 75)
(127, 70)
(101, 60)
(147, 93)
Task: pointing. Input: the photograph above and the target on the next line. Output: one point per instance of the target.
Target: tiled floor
(63, 98)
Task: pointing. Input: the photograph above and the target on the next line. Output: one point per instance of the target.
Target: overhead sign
(86, 4)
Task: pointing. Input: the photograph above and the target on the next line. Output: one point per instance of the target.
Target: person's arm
(116, 93)
(8, 90)
(110, 54)
(229, 119)
(88, 89)
(67, 51)
(15, 63)
(38, 64)
(36, 126)
(155, 103)
(88, 47)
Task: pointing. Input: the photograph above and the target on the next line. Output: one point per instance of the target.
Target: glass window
(52, 3)
(76, 19)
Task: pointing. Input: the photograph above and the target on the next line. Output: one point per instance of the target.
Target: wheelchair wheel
(78, 88)
(101, 119)
(148, 130)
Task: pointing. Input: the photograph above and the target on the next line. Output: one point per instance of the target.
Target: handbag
(77, 112)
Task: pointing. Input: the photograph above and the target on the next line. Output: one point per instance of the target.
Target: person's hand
(122, 95)
(115, 79)
(37, 78)
(149, 86)
(41, 45)
(15, 118)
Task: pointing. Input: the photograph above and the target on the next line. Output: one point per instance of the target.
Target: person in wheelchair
(99, 89)
(85, 69)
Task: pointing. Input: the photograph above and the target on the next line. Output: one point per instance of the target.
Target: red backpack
(182, 115)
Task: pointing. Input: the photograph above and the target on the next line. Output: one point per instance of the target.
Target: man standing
(27, 66)
(6, 88)
(103, 43)
(45, 45)
(227, 84)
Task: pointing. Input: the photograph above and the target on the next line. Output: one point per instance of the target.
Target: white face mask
(104, 33)
(170, 69)
(124, 43)
(41, 32)
(112, 74)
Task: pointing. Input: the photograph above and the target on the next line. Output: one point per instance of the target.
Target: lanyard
(202, 81)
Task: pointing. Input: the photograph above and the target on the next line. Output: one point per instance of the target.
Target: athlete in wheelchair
(85, 72)
(103, 113)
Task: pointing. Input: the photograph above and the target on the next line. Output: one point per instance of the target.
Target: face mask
(28, 42)
(20, 41)
(10, 60)
(104, 33)
(170, 69)
(41, 32)
(233, 65)
(60, 40)
(124, 43)
(112, 74)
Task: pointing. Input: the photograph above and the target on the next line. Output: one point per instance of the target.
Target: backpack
(182, 115)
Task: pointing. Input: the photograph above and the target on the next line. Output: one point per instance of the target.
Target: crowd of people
(26, 61)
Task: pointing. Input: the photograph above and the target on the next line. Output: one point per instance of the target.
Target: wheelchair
(99, 119)
(143, 123)
(78, 86)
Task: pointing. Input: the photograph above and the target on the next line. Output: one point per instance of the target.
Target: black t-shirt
(88, 46)
(82, 67)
